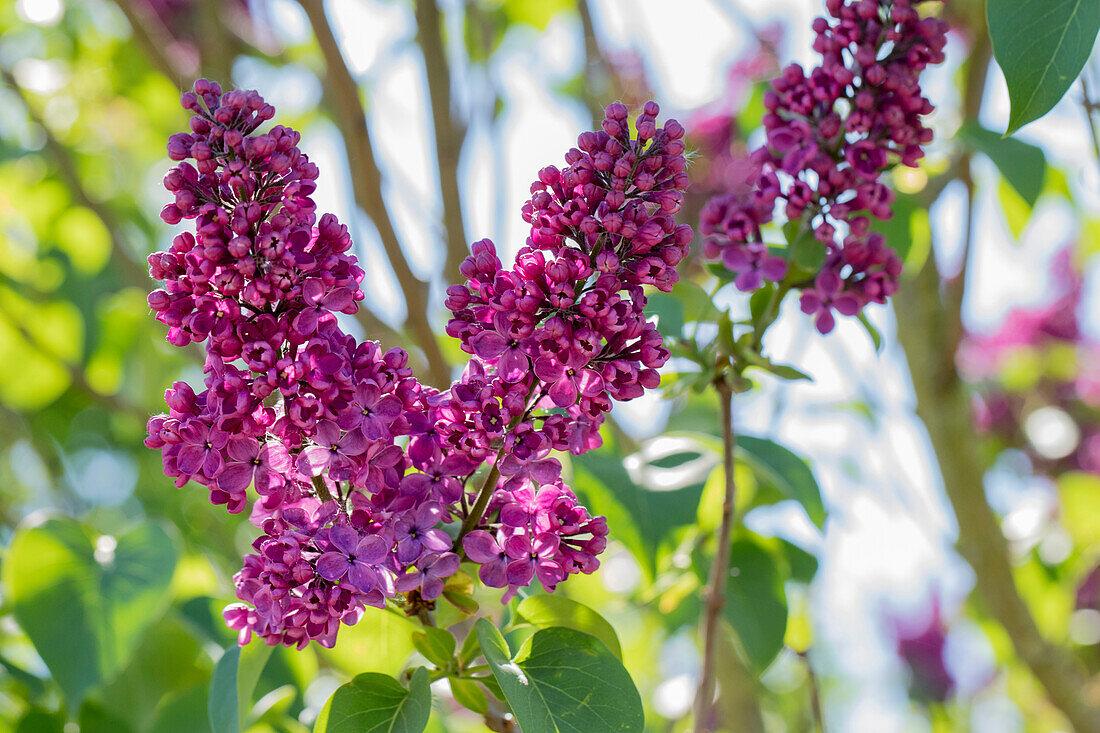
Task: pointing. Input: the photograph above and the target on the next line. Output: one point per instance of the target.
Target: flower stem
(322, 490)
(716, 585)
(477, 511)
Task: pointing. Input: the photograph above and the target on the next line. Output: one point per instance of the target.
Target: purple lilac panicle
(356, 466)
(560, 335)
(831, 134)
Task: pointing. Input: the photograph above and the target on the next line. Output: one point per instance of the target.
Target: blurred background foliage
(114, 580)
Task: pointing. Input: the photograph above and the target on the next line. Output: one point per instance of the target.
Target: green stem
(322, 490)
(482, 502)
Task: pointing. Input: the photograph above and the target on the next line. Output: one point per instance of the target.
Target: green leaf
(783, 371)
(40, 721)
(94, 719)
(232, 684)
(464, 602)
(1080, 496)
(377, 703)
(1023, 165)
(380, 642)
(643, 517)
(802, 566)
(806, 251)
(1041, 46)
(85, 610)
(698, 305)
(790, 475)
(563, 681)
(537, 13)
(437, 645)
(876, 337)
(469, 695)
(755, 605)
(168, 658)
(547, 610)
(1016, 211)
(670, 314)
(760, 300)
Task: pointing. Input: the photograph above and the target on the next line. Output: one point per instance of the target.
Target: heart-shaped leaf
(85, 604)
(377, 703)
(546, 611)
(563, 681)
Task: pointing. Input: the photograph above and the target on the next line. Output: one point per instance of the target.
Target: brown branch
(156, 41)
(933, 329)
(943, 404)
(121, 259)
(1091, 107)
(366, 178)
(815, 694)
(597, 71)
(449, 133)
(716, 585)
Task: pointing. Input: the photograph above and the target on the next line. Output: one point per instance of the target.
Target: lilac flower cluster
(356, 467)
(831, 133)
(560, 335)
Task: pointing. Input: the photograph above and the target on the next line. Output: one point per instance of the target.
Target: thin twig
(815, 694)
(449, 133)
(1091, 107)
(155, 41)
(716, 585)
(597, 70)
(482, 501)
(366, 179)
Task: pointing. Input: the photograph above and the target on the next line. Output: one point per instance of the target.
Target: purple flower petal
(332, 566)
(344, 538)
(480, 546)
(488, 344)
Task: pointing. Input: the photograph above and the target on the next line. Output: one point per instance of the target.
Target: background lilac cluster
(831, 133)
(356, 466)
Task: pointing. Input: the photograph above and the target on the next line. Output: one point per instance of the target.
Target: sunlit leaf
(377, 703)
(563, 680)
(380, 642)
(545, 611)
(81, 235)
(437, 645)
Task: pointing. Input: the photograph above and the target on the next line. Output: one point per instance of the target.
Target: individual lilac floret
(353, 555)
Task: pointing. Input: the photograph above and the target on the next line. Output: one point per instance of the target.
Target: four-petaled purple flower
(533, 556)
(568, 380)
(371, 411)
(483, 548)
(353, 555)
(332, 452)
(418, 532)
